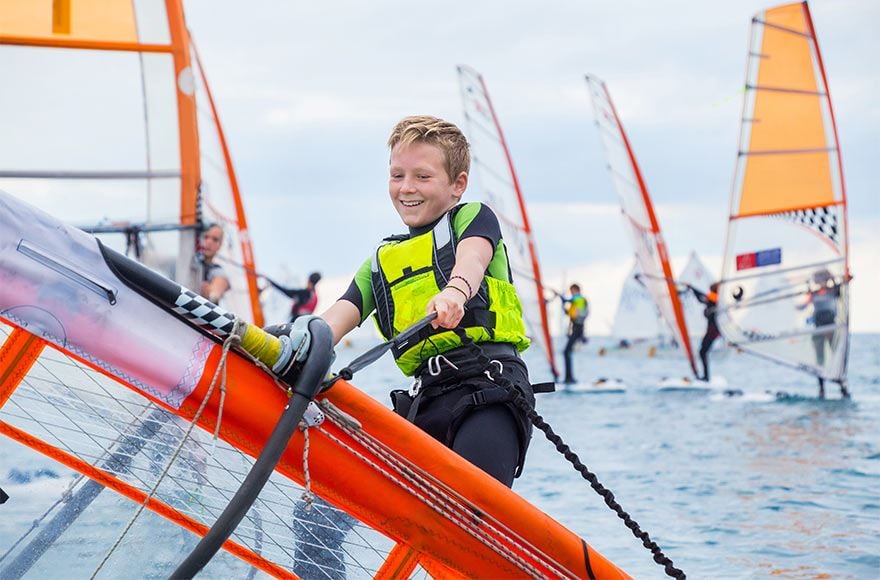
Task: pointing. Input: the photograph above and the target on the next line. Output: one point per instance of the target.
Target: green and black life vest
(408, 271)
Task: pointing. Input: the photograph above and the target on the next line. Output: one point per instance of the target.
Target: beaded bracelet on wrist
(459, 289)
(466, 283)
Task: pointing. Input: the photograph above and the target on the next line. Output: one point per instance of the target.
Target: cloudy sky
(308, 92)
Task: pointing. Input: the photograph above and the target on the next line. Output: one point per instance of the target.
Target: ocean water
(730, 487)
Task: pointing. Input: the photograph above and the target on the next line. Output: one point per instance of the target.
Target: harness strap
(544, 388)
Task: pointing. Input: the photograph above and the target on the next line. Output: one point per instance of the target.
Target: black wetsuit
(304, 300)
(575, 334)
(712, 332)
(470, 413)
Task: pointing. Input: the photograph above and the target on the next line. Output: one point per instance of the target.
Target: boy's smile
(419, 186)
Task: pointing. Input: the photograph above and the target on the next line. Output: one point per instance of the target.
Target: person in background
(304, 299)
(710, 301)
(215, 280)
(577, 308)
(823, 298)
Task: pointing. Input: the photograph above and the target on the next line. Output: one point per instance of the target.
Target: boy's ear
(460, 184)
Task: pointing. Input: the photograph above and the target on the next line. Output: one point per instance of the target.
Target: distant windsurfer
(304, 299)
(710, 301)
(823, 298)
(577, 308)
(215, 281)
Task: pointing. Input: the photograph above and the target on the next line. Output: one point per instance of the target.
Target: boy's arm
(472, 257)
(342, 317)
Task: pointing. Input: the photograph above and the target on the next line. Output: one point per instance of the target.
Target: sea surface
(750, 486)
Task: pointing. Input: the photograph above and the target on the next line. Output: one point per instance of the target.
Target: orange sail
(81, 386)
(638, 214)
(785, 289)
(499, 187)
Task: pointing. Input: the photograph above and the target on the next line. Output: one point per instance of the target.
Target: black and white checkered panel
(820, 219)
(204, 313)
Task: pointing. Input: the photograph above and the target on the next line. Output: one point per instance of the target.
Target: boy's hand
(449, 306)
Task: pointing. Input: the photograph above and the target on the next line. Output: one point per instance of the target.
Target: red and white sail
(639, 216)
(500, 189)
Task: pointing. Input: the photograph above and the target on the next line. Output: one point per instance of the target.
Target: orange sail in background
(108, 121)
(499, 186)
(785, 289)
(638, 214)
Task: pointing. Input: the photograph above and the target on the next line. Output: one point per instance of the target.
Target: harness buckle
(435, 364)
(415, 387)
(488, 372)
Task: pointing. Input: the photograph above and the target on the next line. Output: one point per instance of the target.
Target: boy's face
(419, 187)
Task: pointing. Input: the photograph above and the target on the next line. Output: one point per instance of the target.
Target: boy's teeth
(411, 203)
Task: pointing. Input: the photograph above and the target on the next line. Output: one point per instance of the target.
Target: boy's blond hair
(439, 133)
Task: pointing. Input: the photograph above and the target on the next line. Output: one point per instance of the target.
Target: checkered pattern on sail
(203, 312)
(821, 219)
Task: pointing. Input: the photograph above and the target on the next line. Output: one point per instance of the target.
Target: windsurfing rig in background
(639, 216)
(784, 293)
(499, 187)
(136, 152)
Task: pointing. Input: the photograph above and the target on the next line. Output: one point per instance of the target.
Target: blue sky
(309, 91)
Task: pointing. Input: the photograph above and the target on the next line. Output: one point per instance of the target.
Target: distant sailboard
(600, 386)
(784, 293)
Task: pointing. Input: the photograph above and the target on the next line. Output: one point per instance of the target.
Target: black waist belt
(463, 358)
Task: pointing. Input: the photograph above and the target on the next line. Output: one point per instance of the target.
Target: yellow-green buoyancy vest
(408, 273)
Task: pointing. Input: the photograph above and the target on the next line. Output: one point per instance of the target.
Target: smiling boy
(453, 262)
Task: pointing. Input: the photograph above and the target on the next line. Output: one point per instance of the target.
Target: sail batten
(784, 294)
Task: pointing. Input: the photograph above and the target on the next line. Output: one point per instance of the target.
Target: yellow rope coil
(261, 345)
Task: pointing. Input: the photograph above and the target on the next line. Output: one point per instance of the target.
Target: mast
(651, 252)
(532, 269)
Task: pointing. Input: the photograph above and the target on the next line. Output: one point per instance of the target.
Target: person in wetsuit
(304, 299)
(710, 301)
(452, 262)
(577, 308)
(215, 280)
(823, 297)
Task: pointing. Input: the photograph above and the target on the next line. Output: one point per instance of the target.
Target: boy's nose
(408, 185)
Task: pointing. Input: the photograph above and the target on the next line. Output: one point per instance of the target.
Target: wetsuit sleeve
(477, 220)
(700, 296)
(360, 291)
(289, 292)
